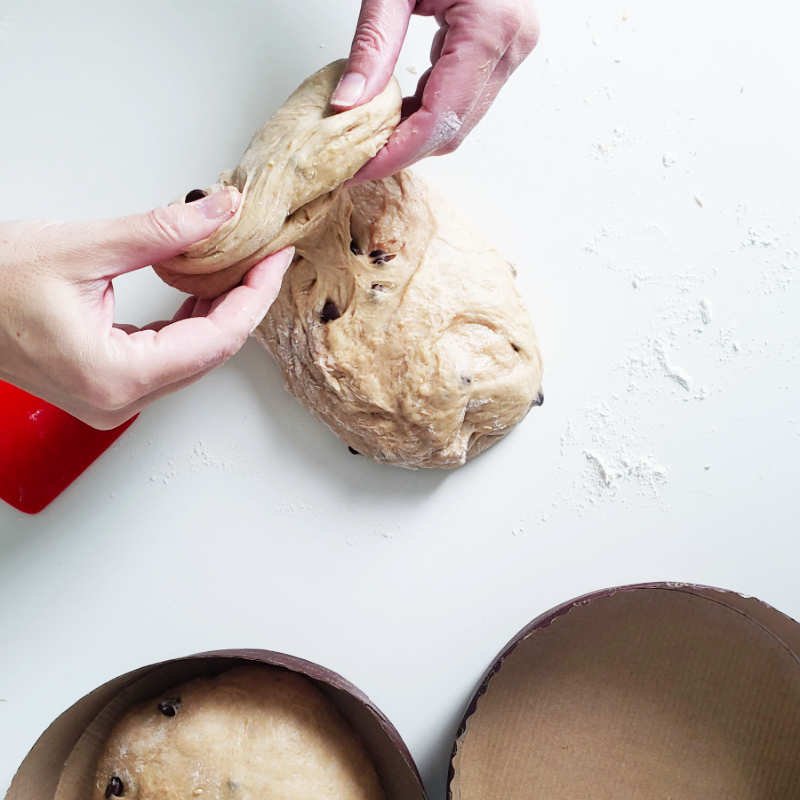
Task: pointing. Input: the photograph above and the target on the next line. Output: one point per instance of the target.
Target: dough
(252, 733)
(303, 153)
(396, 325)
(403, 331)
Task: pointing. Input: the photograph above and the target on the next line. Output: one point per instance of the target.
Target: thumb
(380, 32)
(120, 245)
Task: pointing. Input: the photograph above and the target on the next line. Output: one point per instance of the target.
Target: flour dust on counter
(684, 350)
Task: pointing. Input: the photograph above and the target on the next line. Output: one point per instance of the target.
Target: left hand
(58, 338)
(478, 45)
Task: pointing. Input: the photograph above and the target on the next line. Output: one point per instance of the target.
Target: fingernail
(349, 91)
(219, 205)
(289, 257)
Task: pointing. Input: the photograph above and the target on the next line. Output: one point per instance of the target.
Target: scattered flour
(674, 373)
(644, 471)
(705, 312)
(607, 149)
(201, 458)
(760, 237)
(611, 456)
(166, 475)
(197, 459)
(293, 508)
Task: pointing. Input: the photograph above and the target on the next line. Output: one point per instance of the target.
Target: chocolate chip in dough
(330, 311)
(115, 788)
(355, 249)
(195, 194)
(353, 451)
(169, 708)
(380, 257)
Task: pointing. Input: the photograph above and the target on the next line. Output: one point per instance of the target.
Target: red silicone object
(43, 449)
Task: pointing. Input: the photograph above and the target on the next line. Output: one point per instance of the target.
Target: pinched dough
(396, 325)
(286, 177)
(251, 733)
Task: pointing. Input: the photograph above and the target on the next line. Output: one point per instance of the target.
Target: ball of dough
(396, 325)
(403, 331)
(251, 733)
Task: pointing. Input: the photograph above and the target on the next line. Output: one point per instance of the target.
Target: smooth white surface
(228, 517)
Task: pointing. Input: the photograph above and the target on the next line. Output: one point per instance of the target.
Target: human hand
(478, 45)
(58, 339)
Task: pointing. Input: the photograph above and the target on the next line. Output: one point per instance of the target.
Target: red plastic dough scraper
(43, 449)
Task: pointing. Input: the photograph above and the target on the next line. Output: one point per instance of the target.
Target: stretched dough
(251, 733)
(396, 325)
(286, 177)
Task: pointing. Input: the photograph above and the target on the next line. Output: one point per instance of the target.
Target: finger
(513, 57)
(204, 305)
(448, 96)
(381, 29)
(126, 328)
(107, 248)
(438, 43)
(478, 111)
(413, 103)
(195, 344)
(455, 94)
(191, 307)
(186, 309)
(156, 325)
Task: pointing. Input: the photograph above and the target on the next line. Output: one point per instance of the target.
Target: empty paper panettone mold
(642, 692)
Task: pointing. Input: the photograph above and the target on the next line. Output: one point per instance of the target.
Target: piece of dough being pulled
(286, 175)
(396, 325)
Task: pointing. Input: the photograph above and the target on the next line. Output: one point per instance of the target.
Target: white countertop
(641, 171)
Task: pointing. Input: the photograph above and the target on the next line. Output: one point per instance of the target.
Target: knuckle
(369, 39)
(163, 225)
(529, 32)
(509, 17)
(519, 22)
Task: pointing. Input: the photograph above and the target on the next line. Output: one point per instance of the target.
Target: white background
(643, 161)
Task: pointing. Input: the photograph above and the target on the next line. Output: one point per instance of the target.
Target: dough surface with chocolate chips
(251, 733)
(403, 331)
(397, 325)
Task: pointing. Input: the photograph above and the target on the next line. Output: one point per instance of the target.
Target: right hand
(478, 45)
(58, 338)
